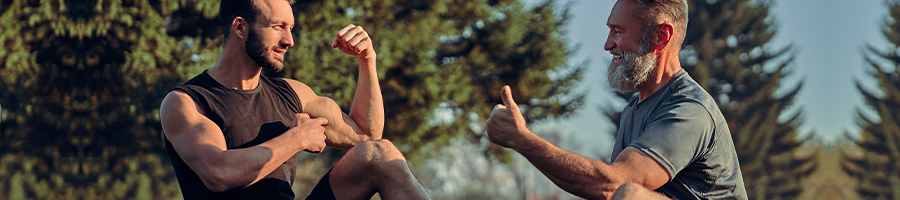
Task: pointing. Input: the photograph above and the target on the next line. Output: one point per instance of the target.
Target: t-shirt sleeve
(677, 135)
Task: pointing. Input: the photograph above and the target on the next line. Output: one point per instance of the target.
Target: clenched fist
(355, 41)
(310, 131)
(506, 126)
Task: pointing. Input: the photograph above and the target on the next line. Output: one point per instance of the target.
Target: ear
(662, 36)
(239, 27)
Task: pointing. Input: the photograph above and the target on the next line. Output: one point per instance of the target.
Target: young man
(672, 138)
(232, 133)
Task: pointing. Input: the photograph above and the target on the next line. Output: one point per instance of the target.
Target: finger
(303, 115)
(361, 45)
(349, 34)
(340, 33)
(358, 36)
(321, 121)
(296, 120)
(506, 95)
(497, 108)
(334, 43)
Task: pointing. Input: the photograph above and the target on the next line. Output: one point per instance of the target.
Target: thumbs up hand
(506, 126)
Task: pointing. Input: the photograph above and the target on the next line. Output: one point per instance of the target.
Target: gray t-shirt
(681, 128)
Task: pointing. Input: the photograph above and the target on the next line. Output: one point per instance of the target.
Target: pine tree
(874, 162)
(83, 85)
(725, 52)
(83, 80)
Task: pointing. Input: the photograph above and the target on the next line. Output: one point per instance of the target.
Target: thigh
(322, 190)
(353, 176)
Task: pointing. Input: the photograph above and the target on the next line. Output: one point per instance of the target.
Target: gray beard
(634, 69)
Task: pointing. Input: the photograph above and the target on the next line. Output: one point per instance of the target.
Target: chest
(251, 119)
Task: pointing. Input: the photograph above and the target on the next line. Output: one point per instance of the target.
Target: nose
(610, 42)
(287, 39)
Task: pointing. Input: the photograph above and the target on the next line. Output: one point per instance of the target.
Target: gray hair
(651, 11)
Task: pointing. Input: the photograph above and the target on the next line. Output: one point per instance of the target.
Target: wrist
(367, 65)
(527, 142)
(368, 55)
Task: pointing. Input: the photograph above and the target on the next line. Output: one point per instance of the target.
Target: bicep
(638, 167)
(341, 130)
(192, 134)
(675, 137)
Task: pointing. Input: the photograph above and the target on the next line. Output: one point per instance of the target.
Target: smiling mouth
(616, 58)
(279, 53)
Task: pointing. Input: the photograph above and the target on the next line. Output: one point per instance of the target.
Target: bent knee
(630, 187)
(378, 151)
(629, 191)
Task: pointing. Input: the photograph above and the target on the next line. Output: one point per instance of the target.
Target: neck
(236, 70)
(667, 66)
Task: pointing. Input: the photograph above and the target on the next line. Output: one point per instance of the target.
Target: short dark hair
(649, 11)
(230, 9)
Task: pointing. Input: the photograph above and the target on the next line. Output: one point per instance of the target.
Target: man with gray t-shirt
(682, 129)
(673, 141)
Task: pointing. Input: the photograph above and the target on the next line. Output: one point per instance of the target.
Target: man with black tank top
(232, 133)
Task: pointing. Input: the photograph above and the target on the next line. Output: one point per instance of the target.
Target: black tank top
(247, 118)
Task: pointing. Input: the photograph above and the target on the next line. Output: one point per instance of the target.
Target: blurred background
(810, 89)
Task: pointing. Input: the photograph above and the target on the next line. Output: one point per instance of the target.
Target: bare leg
(375, 166)
(635, 191)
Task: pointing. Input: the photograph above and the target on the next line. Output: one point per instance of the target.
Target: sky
(828, 36)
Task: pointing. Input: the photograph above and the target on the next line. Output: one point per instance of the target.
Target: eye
(277, 27)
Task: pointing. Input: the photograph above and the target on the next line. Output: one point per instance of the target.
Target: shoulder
(686, 94)
(177, 101)
(299, 87)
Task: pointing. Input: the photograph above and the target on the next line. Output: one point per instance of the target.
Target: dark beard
(260, 53)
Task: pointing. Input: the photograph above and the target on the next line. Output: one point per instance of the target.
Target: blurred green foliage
(875, 163)
(441, 56)
(725, 51)
(82, 80)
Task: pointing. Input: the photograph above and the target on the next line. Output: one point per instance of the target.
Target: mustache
(280, 47)
(616, 51)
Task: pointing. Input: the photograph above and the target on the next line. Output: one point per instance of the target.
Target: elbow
(376, 130)
(597, 190)
(216, 186)
(220, 180)
(216, 183)
(375, 134)
(592, 192)
(372, 132)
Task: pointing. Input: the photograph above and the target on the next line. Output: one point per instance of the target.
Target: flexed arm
(366, 119)
(201, 143)
(368, 107)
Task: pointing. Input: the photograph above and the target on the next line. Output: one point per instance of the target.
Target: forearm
(239, 168)
(368, 107)
(584, 177)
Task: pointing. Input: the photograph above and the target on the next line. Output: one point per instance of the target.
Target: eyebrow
(280, 22)
(612, 26)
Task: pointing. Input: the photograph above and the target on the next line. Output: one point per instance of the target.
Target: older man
(232, 133)
(672, 138)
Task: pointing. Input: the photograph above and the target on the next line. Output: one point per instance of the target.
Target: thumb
(295, 120)
(334, 43)
(322, 121)
(506, 95)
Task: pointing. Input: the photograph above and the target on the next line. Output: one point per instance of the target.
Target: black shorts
(322, 191)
